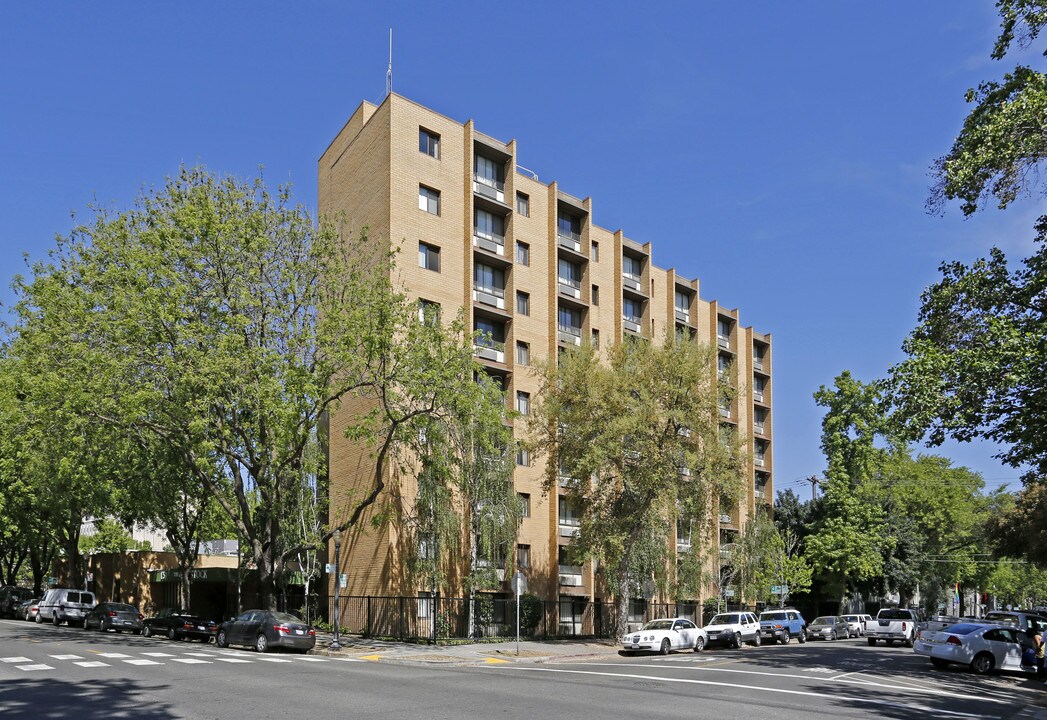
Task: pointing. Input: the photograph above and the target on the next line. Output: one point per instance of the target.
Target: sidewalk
(531, 651)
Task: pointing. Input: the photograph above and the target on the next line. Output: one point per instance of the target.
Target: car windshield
(119, 607)
(773, 616)
(824, 621)
(894, 615)
(851, 618)
(725, 620)
(659, 625)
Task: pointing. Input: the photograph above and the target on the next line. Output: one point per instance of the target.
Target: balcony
(489, 187)
(723, 341)
(725, 519)
(569, 335)
(758, 460)
(758, 395)
(570, 575)
(759, 493)
(758, 364)
(683, 316)
(491, 242)
(569, 287)
(568, 528)
(758, 427)
(569, 239)
(492, 296)
(631, 323)
(490, 350)
(683, 544)
(725, 412)
(631, 281)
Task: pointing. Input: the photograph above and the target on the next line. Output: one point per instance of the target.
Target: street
(49, 672)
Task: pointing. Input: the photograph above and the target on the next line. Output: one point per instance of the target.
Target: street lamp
(337, 581)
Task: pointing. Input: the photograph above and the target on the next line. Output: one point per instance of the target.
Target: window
(596, 339)
(523, 457)
(429, 143)
(723, 331)
(428, 257)
(594, 252)
(523, 303)
(569, 226)
(523, 253)
(525, 504)
(523, 204)
(683, 302)
(429, 200)
(631, 266)
(489, 226)
(567, 515)
(523, 353)
(523, 556)
(596, 294)
(569, 273)
(489, 172)
(569, 319)
(428, 311)
(490, 280)
(632, 309)
(523, 402)
(723, 363)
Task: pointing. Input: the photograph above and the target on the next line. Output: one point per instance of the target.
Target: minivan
(60, 605)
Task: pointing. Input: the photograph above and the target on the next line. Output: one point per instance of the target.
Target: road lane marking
(370, 657)
(269, 659)
(310, 658)
(200, 654)
(91, 663)
(192, 661)
(232, 660)
(66, 657)
(158, 654)
(118, 656)
(736, 686)
(142, 661)
(494, 661)
(34, 667)
(15, 660)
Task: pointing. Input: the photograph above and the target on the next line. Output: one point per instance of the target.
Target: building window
(596, 294)
(428, 257)
(429, 311)
(523, 303)
(523, 402)
(488, 279)
(631, 267)
(523, 457)
(594, 253)
(596, 339)
(632, 310)
(523, 204)
(569, 226)
(683, 302)
(489, 226)
(523, 253)
(525, 504)
(429, 200)
(523, 353)
(429, 143)
(523, 556)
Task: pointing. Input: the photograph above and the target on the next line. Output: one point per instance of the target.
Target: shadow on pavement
(46, 698)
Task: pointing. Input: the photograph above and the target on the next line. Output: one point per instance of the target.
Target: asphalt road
(68, 673)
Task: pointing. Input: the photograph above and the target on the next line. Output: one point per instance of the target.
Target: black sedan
(114, 616)
(175, 624)
(264, 630)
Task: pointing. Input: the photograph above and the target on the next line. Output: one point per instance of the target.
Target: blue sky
(777, 151)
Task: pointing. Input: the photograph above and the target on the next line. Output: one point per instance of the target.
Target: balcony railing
(758, 460)
(490, 296)
(569, 240)
(569, 528)
(631, 281)
(570, 575)
(723, 341)
(491, 242)
(758, 427)
(682, 315)
(570, 287)
(490, 350)
(725, 412)
(758, 395)
(570, 335)
(759, 493)
(683, 544)
(488, 187)
(630, 323)
(758, 363)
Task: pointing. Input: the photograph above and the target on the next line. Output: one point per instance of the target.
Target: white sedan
(666, 634)
(981, 647)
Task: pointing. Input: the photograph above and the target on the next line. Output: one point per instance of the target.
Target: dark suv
(783, 625)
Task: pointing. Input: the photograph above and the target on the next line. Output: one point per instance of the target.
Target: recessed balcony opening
(489, 178)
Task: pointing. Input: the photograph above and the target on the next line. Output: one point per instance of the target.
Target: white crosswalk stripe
(113, 655)
(67, 657)
(34, 667)
(15, 660)
(233, 660)
(92, 664)
(192, 661)
(141, 661)
(157, 654)
(275, 660)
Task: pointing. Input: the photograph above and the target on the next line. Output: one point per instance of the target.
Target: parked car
(61, 605)
(1022, 619)
(783, 625)
(11, 597)
(855, 625)
(264, 630)
(733, 629)
(981, 646)
(27, 610)
(666, 634)
(828, 627)
(114, 616)
(894, 624)
(175, 624)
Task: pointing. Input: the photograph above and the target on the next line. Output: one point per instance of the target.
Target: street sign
(779, 589)
(343, 581)
(328, 568)
(519, 583)
(728, 593)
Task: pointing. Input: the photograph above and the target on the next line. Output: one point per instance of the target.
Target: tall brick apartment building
(529, 266)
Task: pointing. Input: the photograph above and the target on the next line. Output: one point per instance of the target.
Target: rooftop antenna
(389, 72)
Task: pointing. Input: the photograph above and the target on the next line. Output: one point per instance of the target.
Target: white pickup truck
(893, 624)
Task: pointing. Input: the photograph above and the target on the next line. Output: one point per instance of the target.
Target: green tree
(109, 537)
(634, 445)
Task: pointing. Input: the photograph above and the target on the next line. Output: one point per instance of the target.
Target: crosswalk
(93, 659)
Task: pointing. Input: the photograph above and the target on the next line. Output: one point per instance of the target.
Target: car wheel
(147, 631)
(39, 620)
(261, 644)
(171, 635)
(785, 638)
(664, 650)
(833, 636)
(55, 620)
(737, 642)
(939, 663)
(757, 640)
(102, 627)
(699, 644)
(909, 641)
(802, 636)
(221, 640)
(871, 641)
(983, 663)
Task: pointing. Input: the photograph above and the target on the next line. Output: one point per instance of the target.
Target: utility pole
(815, 482)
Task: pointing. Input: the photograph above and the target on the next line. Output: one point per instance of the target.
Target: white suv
(733, 629)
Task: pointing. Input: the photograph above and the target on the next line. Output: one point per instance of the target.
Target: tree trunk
(843, 592)
(621, 623)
